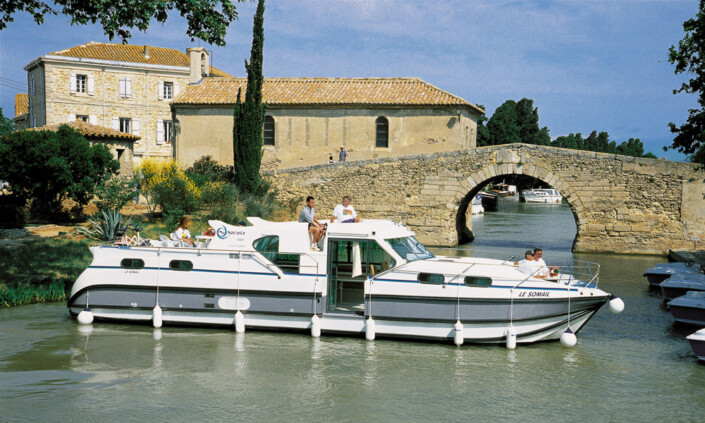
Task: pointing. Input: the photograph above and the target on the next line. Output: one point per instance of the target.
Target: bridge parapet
(621, 204)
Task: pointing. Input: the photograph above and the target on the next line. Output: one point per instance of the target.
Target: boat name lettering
(223, 232)
(532, 294)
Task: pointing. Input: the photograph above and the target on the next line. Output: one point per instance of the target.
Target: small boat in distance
(697, 343)
(498, 197)
(372, 278)
(663, 271)
(680, 284)
(542, 196)
(476, 206)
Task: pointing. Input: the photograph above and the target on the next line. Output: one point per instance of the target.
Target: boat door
(350, 263)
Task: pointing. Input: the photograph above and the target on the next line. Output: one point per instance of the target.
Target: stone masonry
(621, 204)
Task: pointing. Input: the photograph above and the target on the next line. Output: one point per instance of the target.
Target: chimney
(146, 52)
(200, 63)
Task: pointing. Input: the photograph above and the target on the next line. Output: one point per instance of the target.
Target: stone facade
(621, 204)
(308, 136)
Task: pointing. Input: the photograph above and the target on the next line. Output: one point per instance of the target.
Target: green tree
(502, 126)
(6, 124)
(48, 167)
(633, 147)
(208, 20)
(688, 57)
(528, 122)
(249, 116)
(483, 134)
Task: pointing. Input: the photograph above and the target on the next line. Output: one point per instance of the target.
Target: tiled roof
(21, 104)
(90, 131)
(325, 91)
(133, 54)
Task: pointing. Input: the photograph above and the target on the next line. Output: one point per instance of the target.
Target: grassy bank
(40, 270)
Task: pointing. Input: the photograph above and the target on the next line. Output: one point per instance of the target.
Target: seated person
(315, 228)
(345, 213)
(527, 266)
(543, 271)
(182, 233)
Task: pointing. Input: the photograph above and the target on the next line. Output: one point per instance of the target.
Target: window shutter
(91, 84)
(176, 89)
(128, 88)
(160, 131)
(135, 126)
(72, 83)
(116, 123)
(93, 120)
(31, 82)
(72, 118)
(160, 90)
(123, 90)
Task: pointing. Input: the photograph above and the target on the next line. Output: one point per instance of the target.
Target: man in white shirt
(542, 271)
(345, 213)
(528, 265)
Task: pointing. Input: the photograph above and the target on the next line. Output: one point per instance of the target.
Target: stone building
(127, 88)
(309, 119)
(119, 143)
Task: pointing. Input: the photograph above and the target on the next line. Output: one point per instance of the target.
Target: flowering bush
(165, 184)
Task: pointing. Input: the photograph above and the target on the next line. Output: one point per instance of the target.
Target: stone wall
(621, 204)
(307, 136)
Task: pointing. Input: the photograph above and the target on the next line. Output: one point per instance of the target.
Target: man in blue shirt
(315, 228)
(343, 156)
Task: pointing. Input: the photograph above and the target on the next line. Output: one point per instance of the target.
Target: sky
(588, 65)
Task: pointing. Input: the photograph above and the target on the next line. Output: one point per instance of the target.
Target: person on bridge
(315, 228)
(345, 213)
(343, 155)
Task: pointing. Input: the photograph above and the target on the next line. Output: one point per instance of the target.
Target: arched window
(268, 130)
(382, 132)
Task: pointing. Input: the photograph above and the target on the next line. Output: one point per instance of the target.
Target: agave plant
(107, 227)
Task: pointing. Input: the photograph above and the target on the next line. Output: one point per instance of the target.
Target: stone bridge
(621, 204)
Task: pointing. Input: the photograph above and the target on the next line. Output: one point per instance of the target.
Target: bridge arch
(472, 185)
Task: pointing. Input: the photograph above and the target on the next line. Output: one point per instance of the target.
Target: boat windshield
(409, 248)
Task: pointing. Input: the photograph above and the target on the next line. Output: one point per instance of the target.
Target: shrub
(116, 192)
(206, 170)
(13, 211)
(107, 227)
(48, 167)
(166, 185)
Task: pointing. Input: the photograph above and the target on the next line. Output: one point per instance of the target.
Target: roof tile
(21, 104)
(90, 131)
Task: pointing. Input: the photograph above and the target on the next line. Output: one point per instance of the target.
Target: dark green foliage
(48, 167)
(516, 122)
(6, 124)
(116, 192)
(41, 270)
(483, 134)
(207, 20)
(13, 212)
(171, 218)
(688, 57)
(601, 143)
(206, 169)
(249, 116)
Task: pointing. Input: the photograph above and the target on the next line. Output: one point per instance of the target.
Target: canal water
(636, 366)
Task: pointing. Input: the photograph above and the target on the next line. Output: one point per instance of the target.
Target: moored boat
(476, 206)
(499, 196)
(689, 308)
(372, 278)
(678, 285)
(697, 343)
(542, 196)
(663, 271)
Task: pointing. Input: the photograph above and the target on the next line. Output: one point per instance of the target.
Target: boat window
(181, 265)
(269, 247)
(479, 281)
(380, 260)
(132, 263)
(431, 278)
(409, 248)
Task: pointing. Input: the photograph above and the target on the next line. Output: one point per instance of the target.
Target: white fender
(370, 329)
(616, 305)
(157, 316)
(568, 339)
(511, 338)
(239, 322)
(459, 338)
(315, 326)
(85, 317)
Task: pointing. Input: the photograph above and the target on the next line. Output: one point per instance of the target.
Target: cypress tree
(249, 116)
